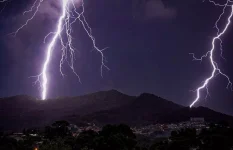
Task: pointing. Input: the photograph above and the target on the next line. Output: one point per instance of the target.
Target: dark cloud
(157, 9)
(152, 9)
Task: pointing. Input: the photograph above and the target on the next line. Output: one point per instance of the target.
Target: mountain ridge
(102, 107)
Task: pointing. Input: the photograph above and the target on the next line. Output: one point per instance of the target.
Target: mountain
(144, 109)
(103, 107)
(186, 112)
(149, 109)
(23, 111)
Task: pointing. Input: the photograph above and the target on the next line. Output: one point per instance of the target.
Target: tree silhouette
(57, 144)
(58, 129)
(111, 137)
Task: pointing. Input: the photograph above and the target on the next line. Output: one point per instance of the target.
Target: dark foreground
(60, 136)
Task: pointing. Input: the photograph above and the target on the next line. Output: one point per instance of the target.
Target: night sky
(149, 44)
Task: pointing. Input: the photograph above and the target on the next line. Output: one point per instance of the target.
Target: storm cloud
(152, 9)
(157, 9)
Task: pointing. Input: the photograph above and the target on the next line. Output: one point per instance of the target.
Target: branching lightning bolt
(2, 1)
(69, 16)
(216, 71)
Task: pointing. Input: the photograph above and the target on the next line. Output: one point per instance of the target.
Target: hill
(150, 109)
(23, 111)
(142, 110)
(103, 107)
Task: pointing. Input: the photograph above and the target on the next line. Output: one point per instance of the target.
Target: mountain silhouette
(103, 107)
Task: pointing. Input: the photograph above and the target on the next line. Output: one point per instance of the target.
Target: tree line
(120, 137)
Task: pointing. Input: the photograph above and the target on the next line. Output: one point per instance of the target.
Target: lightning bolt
(2, 1)
(221, 5)
(70, 14)
(216, 70)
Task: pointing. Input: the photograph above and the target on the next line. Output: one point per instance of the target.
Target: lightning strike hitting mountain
(210, 53)
(70, 14)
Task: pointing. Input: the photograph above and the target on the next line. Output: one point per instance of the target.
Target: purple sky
(149, 40)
